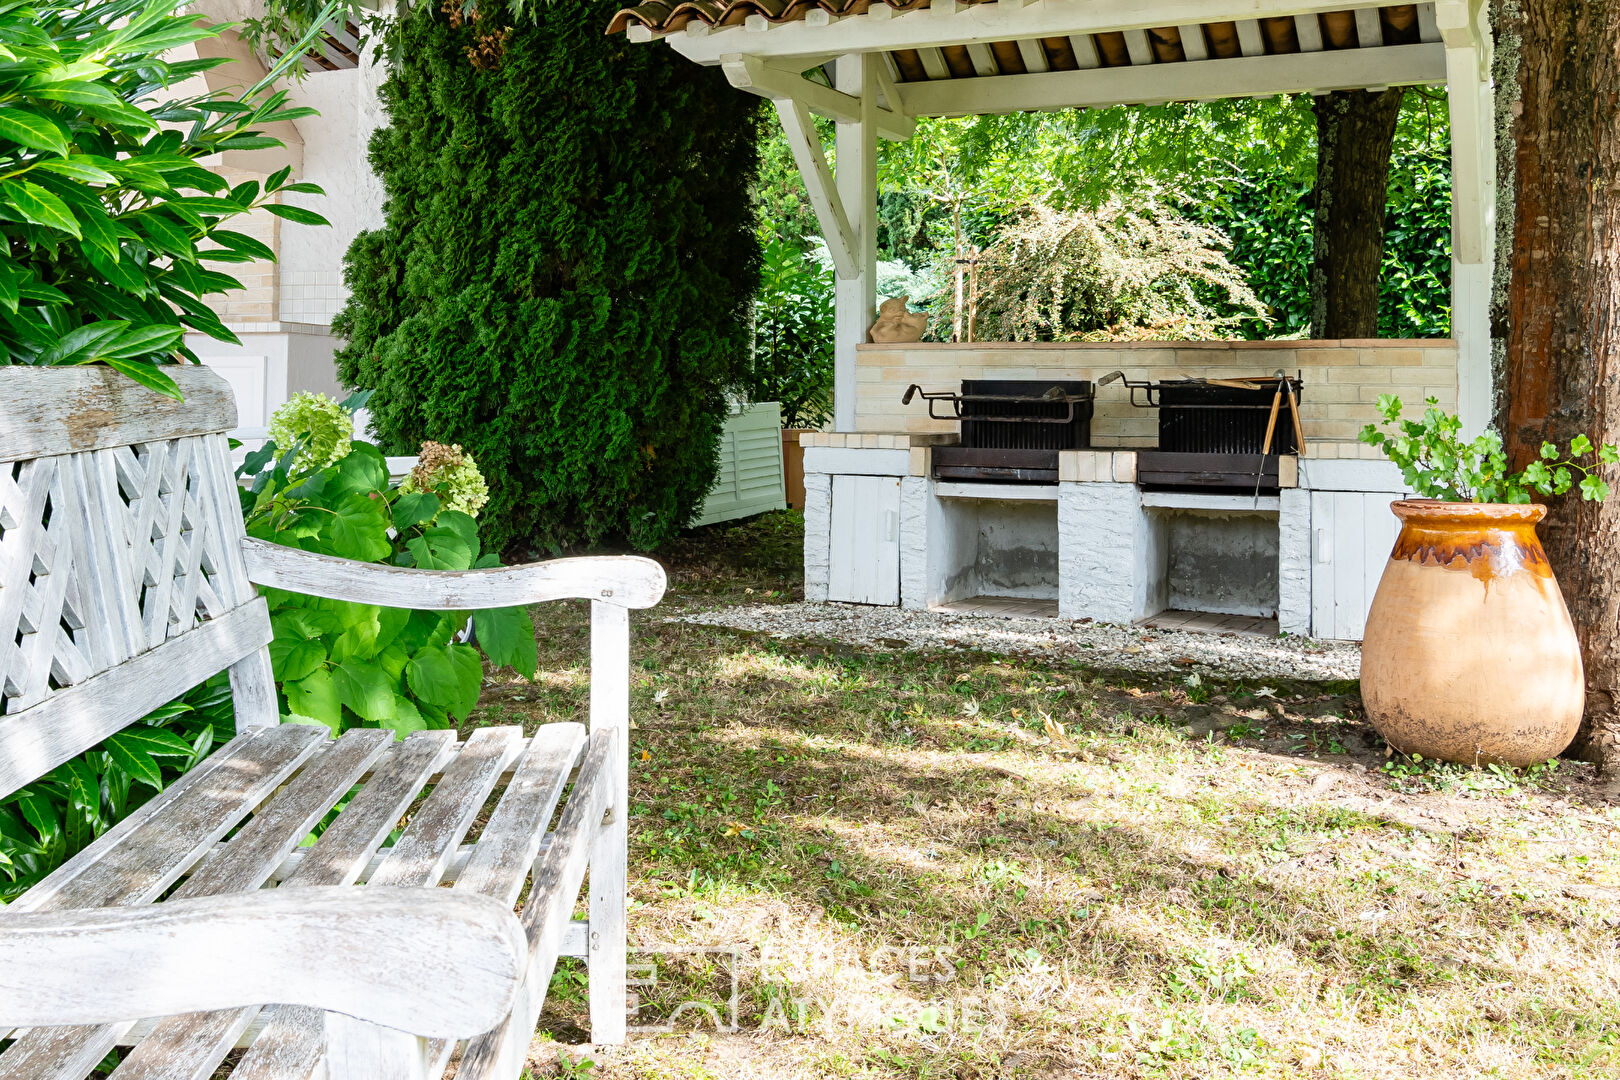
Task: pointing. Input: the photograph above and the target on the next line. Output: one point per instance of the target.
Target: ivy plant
(111, 225)
(1438, 463)
(344, 664)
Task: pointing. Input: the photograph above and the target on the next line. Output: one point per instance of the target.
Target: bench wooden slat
(64, 1053)
(507, 846)
(546, 916)
(244, 865)
(192, 1046)
(258, 849)
(289, 1047)
(136, 860)
(186, 1047)
(421, 854)
(497, 866)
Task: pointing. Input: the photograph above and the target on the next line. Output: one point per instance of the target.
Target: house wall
(1342, 379)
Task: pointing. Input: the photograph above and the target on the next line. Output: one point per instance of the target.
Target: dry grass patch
(972, 867)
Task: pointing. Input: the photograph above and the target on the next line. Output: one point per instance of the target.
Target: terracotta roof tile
(662, 16)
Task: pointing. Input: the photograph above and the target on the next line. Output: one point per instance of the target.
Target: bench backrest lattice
(122, 575)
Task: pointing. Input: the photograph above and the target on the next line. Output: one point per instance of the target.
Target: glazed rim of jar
(1459, 513)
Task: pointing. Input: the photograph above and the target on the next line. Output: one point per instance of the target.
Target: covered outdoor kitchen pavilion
(1119, 529)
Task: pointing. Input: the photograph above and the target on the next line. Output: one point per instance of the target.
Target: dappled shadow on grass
(1117, 898)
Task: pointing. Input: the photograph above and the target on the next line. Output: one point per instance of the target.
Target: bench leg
(610, 708)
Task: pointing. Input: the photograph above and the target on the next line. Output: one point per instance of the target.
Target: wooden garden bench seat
(125, 579)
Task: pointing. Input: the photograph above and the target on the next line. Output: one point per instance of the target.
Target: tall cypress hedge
(561, 284)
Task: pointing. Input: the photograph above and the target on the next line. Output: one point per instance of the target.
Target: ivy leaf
(1579, 445)
(33, 203)
(139, 764)
(159, 742)
(1594, 489)
(296, 214)
(32, 130)
(1549, 451)
(1609, 454)
(507, 638)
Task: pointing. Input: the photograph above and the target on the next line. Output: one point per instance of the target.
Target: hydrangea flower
(451, 473)
(324, 425)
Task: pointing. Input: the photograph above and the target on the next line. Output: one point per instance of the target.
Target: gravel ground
(1105, 645)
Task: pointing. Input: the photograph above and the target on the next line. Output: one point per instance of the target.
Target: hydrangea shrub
(348, 665)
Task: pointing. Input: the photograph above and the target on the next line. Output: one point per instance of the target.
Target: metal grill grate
(1198, 418)
(1025, 424)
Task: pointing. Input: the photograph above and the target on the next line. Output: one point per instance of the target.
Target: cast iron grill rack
(1011, 429)
(1218, 433)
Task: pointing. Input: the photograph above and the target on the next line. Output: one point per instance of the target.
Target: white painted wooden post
(609, 857)
(1473, 203)
(856, 177)
(253, 688)
(356, 1050)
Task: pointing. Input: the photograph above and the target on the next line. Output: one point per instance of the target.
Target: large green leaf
(406, 719)
(362, 470)
(359, 638)
(449, 676)
(316, 696)
(415, 507)
(295, 658)
(359, 530)
(33, 130)
(33, 203)
(507, 637)
(440, 548)
(365, 689)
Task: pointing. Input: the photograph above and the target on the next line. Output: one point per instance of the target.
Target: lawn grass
(969, 866)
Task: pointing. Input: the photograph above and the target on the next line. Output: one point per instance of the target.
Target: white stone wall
(817, 536)
(1101, 527)
(1294, 561)
(916, 528)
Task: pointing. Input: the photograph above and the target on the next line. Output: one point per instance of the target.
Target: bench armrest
(430, 962)
(626, 580)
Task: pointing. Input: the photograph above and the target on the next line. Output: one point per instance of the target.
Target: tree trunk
(1355, 133)
(1562, 373)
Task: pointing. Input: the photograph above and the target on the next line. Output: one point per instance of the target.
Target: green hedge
(561, 285)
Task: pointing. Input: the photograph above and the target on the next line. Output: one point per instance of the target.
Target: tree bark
(1562, 374)
(1355, 134)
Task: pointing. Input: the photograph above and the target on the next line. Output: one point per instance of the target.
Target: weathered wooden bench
(125, 579)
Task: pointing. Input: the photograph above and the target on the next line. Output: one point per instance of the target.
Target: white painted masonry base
(879, 529)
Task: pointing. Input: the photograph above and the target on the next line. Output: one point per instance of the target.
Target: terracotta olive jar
(1469, 653)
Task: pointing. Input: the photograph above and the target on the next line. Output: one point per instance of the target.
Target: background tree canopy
(1246, 168)
(563, 280)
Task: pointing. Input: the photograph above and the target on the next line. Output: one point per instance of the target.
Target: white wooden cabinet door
(1352, 533)
(864, 560)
